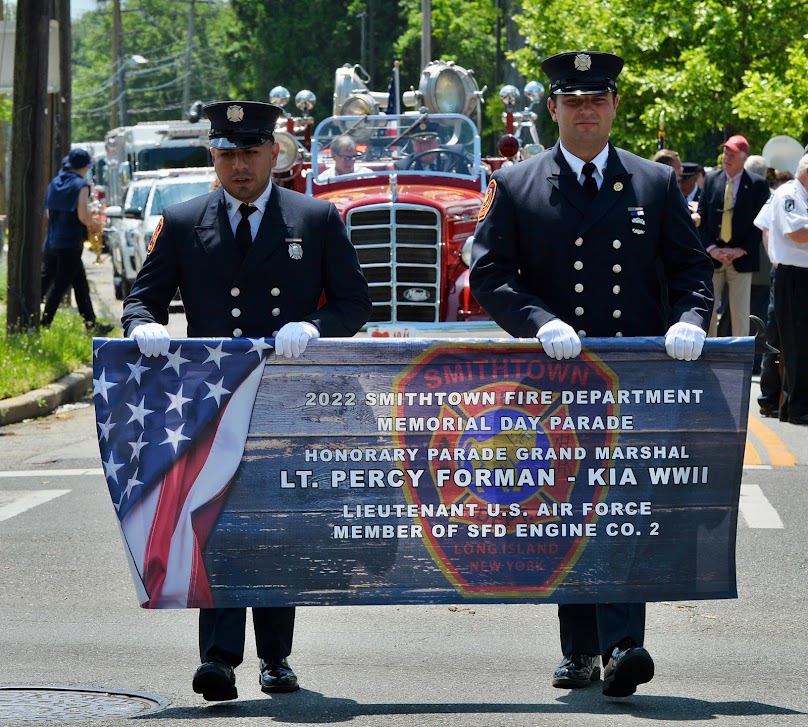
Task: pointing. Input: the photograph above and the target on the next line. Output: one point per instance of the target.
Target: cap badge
(235, 114)
(422, 126)
(583, 62)
(295, 248)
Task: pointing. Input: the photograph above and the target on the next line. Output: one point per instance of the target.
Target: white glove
(559, 339)
(152, 339)
(293, 338)
(684, 341)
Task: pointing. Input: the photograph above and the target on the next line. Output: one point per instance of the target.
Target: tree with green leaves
(157, 31)
(713, 68)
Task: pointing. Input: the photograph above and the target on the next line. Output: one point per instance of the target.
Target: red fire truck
(409, 188)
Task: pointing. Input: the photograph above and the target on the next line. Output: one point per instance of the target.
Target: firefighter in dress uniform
(590, 240)
(250, 259)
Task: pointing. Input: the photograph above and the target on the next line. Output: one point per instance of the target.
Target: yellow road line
(750, 454)
(779, 454)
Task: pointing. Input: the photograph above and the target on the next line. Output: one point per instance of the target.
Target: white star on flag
(216, 355)
(139, 413)
(175, 360)
(102, 386)
(136, 370)
(216, 391)
(259, 345)
(175, 436)
(111, 468)
(131, 484)
(136, 447)
(104, 428)
(177, 401)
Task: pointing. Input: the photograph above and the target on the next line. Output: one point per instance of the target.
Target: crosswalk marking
(756, 510)
(52, 473)
(14, 502)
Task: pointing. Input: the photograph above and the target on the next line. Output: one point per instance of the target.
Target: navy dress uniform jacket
(753, 193)
(300, 252)
(621, 265)
(628, 263)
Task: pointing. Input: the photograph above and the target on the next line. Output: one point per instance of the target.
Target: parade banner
(374, 471)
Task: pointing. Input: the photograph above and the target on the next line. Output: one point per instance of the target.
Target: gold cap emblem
(235, 114)
(583, 62)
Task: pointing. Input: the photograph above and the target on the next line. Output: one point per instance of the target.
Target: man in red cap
(729, 203)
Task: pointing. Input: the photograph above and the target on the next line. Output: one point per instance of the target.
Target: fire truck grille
(399, 251)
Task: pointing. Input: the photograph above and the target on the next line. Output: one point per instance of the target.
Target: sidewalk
(75, 386)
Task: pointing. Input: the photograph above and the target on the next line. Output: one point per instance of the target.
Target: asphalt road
(69, 618)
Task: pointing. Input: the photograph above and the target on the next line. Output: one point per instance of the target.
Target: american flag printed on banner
(171, 431)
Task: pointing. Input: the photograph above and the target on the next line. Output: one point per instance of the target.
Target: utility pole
(27, 164)
(3, 165)
(189, 45)
(371, 66)
(426, 33)
(363, 17)
(64, 104)
(117, 66)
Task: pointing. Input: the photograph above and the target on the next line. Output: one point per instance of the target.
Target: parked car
(171, 187)
(121, 232)
(130, 228)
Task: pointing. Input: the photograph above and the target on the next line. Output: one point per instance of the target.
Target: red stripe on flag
(176, 485)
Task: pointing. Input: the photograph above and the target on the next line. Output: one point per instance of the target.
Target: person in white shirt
(788, 248)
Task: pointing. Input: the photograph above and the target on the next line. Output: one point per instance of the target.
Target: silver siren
(783, 152)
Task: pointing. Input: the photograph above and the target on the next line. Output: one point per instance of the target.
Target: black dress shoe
(576, 670)
(277, 677)
(627, 667)
(798, 420)
(216, 682)
(768, 410)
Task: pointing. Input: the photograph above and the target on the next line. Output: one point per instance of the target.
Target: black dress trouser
(791, 311)
(597, 628)
(222, 631)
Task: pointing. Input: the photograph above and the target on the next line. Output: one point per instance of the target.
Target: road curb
(41, 402)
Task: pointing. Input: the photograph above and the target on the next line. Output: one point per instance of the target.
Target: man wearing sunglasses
(344, 154)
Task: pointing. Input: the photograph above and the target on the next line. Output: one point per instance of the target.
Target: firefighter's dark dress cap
(425, 130)
(240, 124)
(583, 72)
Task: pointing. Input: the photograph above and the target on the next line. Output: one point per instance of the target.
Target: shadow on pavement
(306, 707)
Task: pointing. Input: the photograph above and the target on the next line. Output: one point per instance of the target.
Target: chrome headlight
(305, 101)
(279, 96)
(509, 95)
(448, 89)
(465, 251)
(289, 153)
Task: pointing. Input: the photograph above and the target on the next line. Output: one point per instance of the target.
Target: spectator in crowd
(671, 158)
(770, 381)
(689, 186)
(70, 222)
(761, 279)
(344, 154)
(787, 222)
(781, 176)
(731, 199)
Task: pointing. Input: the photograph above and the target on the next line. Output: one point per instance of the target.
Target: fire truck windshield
(172, 157)
(408, 144)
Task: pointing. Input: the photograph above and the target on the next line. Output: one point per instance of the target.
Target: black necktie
(243, 231)
(590, 185)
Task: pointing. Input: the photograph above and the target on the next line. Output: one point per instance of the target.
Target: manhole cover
(20, 705)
